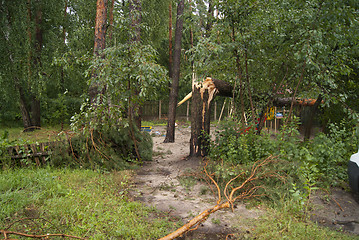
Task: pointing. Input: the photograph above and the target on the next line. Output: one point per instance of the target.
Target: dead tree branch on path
(44, 236)
(237, 193)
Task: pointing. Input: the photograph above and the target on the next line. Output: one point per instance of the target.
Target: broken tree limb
(195, 221)
(233, 196)
(44, 236)
(214, 87)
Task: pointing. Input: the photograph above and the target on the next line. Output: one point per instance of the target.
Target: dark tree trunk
(209, 18)
(170, 135)
(239, 72)
(35, 112)
(110, 30)
(25, 114)
(201, 112)
(135, 15)
(170, 41)
(309, 125)
(200, 123)
(35, 101)
(224, 88)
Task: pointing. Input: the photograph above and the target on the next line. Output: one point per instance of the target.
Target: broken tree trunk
(200, 122)
(313, 111)
(202, 95)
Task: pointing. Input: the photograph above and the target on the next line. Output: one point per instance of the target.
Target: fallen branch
(231, 198)
(46, 236)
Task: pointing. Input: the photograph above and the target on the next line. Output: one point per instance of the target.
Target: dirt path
(166, 183)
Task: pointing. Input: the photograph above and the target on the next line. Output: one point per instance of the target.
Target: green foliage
(300, 169)
(4, 144)
(325, 157)
(77, 202)
(322, 160)
(106, 149)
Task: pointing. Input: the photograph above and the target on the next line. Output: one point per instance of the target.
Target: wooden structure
(29, 154)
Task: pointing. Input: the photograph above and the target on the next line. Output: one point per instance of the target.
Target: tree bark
(110, 30)
(309, 125)
(99, 44)
(240, 77)
(35, 112)
(170, 57)
(170, 135)
(200, 122)
(25, 114)
(100, 27)
(35, 101)
(135, 15)
(209, 18)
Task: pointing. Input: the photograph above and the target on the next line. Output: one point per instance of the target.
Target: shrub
(110, 148)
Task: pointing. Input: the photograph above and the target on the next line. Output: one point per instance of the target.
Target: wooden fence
(29, 154)
(153, 110)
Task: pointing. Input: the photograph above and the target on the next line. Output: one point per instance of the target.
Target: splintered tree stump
(202, 95)
(200, 122)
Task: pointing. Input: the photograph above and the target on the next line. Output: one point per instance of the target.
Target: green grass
(76, 202)
(45, 134)
(281, 223)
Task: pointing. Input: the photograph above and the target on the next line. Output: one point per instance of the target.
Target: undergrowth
(286, 184)
(115, 147)
(76, 202)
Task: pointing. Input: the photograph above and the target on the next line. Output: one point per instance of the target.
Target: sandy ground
(165, 183)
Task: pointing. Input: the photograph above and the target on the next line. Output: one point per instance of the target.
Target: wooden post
(159, 109)
(215, 111)
(187, 113)
(275, 120)
(220, 115)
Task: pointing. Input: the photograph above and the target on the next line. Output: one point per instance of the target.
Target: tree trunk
(200, 122)
(135, 15)
(35, 101)
(239, 72)
(170, 67)
(99, 43)
(170, 135)
(210, 17)
(25, 114)
(248, 84)
(309, 125)
(110, 30)
(35, 112)
(100, 27)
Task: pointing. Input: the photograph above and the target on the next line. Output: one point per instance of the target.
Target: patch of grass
(187, 181)
(77, 202)
(44, 134)
(161, 122)
(216, 221)
(282, 224)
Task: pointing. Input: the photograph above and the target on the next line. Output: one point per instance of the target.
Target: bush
(327, 155)
(321, 162)
(110, 148)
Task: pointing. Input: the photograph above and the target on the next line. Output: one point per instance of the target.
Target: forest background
(92, 66)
